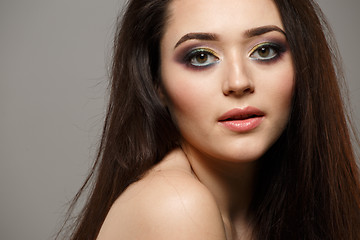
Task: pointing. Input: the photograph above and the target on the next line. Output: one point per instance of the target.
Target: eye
(266, 52)
(201, 57)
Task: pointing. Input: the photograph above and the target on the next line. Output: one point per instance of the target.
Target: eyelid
(257, 46)
(201, 49)
(189, 58)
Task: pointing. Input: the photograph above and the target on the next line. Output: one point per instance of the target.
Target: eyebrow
(262, 30)
(213, 37)
(198, 36)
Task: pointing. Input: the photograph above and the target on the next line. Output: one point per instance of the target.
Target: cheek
(279, 92)
(278, 83)
(187, 94)
(185, 102)
(275, 87)
(286, 86)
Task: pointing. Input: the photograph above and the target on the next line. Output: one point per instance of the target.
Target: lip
(242, 119)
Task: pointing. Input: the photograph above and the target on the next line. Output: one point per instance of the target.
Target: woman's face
(227, 76)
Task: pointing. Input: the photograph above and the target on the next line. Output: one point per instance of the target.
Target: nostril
(240, 92)
(249, 90)
(235, 85)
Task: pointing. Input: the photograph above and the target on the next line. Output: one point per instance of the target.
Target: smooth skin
(168, 203)
(216, 55)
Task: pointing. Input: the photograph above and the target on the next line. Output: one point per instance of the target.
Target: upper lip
(241, 114)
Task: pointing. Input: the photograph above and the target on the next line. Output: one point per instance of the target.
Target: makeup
(201, 57)
(226, 105)
(242, 119)
(266, 51)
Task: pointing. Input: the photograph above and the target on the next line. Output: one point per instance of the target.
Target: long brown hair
(308, 185)
(314, 193)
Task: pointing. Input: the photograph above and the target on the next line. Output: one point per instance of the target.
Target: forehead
(220, 16)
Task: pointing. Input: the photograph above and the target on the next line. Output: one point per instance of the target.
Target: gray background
(53, 60)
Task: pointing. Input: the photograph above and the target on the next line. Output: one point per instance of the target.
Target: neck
(231, 184)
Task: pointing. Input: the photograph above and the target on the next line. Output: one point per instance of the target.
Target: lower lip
(242, 125)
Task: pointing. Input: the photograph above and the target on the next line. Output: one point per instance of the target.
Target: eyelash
(189, 58)
(275, 49)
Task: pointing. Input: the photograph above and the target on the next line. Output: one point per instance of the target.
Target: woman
(225, 121)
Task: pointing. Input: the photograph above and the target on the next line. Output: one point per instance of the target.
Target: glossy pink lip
(242, 119)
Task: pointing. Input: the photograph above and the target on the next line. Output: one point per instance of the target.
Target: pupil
(201, 58)
(264, 51)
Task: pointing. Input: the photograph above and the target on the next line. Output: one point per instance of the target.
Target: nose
(237, 80)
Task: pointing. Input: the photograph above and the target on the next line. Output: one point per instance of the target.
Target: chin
(247, 151)
(247, 156)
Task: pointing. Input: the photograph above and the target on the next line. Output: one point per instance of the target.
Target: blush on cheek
(283, 92)
(184, 90)
(288, 85)
(186, 108)
(283, 86)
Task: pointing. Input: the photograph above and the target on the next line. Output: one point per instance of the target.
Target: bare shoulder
(168, 203)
